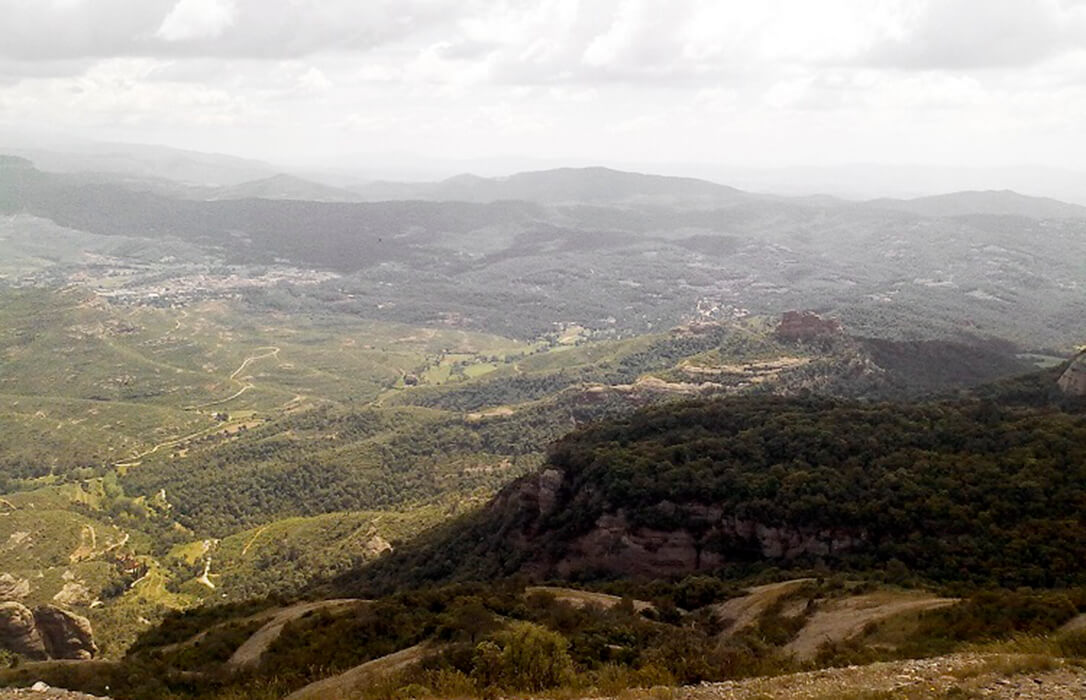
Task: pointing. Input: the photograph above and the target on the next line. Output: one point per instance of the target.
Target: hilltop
(566, 186)
(986, 203)
(720, 485)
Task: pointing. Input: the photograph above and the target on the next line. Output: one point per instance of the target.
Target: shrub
(526, 656)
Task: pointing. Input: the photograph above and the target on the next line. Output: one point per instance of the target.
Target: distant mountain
(615, 251)
(283, 186)
(145, 162)
(566, 186)
(989, 202)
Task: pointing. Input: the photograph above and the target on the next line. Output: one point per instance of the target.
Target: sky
(756, 83)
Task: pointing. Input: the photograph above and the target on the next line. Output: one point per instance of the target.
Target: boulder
(19, 631)
(65, 634)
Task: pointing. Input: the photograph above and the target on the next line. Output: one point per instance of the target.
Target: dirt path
(742, 612)
(136, 460)
(340, 686)
(1075, 624)
(272, 351)
(993, 676)
(249, 653)
(841, 619)
(578, 598)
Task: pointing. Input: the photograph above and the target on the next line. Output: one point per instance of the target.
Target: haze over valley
(415, 363)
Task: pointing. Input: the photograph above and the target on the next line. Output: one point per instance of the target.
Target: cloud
(785, 79)
(197, 19)
(267, 29)
(965, 34)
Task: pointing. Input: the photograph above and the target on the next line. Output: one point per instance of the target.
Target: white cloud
(197, 19)
(768, 81)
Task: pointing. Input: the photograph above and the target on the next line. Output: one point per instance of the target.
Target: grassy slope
(322, 442)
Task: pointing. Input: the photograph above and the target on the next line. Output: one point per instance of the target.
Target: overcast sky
(757, 82)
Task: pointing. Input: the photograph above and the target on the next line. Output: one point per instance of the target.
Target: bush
(523, 657)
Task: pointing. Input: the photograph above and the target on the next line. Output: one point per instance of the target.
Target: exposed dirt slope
(742, 612)
(341, 686)
(578, 598)
(838, 620)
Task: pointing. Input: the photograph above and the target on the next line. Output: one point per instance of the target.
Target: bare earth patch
(838, 620)
(743, 612)
(579, 599)
(341, 686)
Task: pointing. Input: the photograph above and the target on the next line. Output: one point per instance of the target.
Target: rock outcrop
(19, 631)
(47, 632)
(1073, 381)
(12, 588)
(613, 545)
(806, 325)
(705, 536)
(66, 635)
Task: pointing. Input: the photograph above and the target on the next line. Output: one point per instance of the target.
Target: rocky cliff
(1073, 381)
(700, 538)
(47, 632)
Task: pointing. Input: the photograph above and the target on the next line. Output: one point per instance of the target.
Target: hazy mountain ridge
(564, 186)
(642, 265)
(988, 202)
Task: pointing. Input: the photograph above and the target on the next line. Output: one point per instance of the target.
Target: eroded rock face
(47, 632)
(616, 547)
(708, 538)
(19, 631)
(1073, 380)
(806, 325)
(65, 634)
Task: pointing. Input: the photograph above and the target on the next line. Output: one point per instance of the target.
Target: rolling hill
(719, 486)
(985, 203)
(601, 186)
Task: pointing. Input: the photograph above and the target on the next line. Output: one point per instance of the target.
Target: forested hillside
(971, 491)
